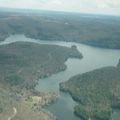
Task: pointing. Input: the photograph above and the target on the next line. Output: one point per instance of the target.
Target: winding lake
(93, 58)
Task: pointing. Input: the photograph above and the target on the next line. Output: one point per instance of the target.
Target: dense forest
(21, 65)
(97, 92)
(101, 31)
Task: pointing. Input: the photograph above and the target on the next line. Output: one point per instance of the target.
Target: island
(97, 92)
(21, 66)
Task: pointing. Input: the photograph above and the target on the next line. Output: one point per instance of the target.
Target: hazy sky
(86, 6)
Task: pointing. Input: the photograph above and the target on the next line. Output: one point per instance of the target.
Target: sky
(110, 7)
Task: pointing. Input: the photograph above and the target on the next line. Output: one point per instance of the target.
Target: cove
(93, 58)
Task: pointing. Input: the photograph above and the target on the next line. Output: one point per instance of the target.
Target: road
(14, 114)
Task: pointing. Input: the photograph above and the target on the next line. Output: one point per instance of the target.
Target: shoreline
(81, 42)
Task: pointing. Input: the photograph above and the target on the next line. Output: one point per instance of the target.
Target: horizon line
(6, 9)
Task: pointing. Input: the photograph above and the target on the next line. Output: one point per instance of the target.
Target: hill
(97, 92)
(21, 65)
(98, 31)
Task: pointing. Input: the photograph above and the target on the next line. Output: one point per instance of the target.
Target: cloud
(86, 6)
(109, 3)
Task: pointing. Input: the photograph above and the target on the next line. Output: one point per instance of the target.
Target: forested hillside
(97, 92)
(98, 31)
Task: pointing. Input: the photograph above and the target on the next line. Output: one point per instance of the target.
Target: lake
(93, 58)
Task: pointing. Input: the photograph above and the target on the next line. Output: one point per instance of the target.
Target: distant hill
(100, 31)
